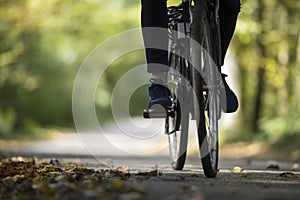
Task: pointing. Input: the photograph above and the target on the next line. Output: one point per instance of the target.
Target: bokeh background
(43, 43)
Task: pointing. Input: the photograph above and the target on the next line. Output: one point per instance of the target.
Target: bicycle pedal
(153, 113)
(159, 113)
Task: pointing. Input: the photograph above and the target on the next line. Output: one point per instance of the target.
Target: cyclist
(154, 14)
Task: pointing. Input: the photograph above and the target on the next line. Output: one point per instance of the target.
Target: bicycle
(194, 81)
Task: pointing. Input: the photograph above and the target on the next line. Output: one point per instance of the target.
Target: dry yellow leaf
(237, 169)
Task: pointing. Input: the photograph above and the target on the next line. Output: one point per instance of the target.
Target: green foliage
(278, 127)
(267, 44)
(43, 44)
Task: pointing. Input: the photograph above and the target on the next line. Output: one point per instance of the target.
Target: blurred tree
(267, 48)
(42, 45)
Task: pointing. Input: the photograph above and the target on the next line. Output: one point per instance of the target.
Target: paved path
(144, 151)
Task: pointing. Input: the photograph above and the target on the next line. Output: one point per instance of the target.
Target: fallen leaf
(17, 159)
(288, 175)
(237, 169)
(273, 167)
(122, 169)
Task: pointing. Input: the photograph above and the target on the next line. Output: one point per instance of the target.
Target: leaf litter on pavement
(29, 178)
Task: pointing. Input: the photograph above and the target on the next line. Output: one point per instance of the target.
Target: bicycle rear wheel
(206, 86)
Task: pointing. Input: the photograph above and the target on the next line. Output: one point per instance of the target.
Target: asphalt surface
(256, 178)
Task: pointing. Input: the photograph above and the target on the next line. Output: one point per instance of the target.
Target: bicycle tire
(206, 100)
(178, 139)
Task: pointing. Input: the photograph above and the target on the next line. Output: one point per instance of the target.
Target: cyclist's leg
(229, 10)
(154, 14)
